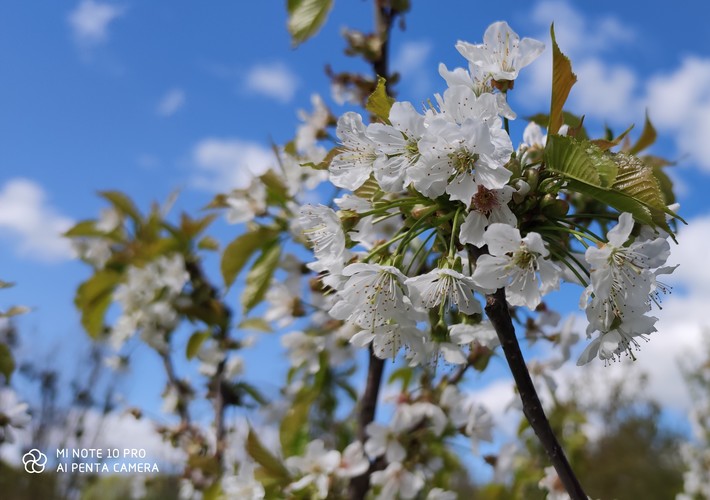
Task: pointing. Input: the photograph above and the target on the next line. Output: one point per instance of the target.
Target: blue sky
(149, 97)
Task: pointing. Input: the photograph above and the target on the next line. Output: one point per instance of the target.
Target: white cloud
(28, 222)
(679, 102)
(576, 33)
(90, 21)
(605, 91)
(412, 56)
(411, 63)
(171, 102)
(273, 80)
(225, 164)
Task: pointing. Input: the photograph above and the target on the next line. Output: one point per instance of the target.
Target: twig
(499, 315)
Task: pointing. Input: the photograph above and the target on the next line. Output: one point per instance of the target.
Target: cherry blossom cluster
(453, 166)
(147, 298)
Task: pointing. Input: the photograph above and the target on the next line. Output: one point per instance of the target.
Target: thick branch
(499, 315)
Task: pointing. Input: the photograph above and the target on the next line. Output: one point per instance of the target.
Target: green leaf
(305, 18)
(264, 457)
(379, 103)
(404, 374)
(7, 362)
(563, 79)
(85, 228)
(293, 432)
(122, 203)
(258, 324)
(93, 298)
(648, 137)
(6, 284)
(195, 342)
(238, 252)
(259, 277)
(208, 243)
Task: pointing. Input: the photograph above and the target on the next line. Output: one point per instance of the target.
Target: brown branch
(384, 17)
(499, 315)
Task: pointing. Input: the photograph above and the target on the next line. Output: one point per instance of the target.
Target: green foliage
(305, 18)
(7, 362)
(240, 250)
(93, 298)
(619, 180)
(195, 343)
(259, 277)
(270, 465)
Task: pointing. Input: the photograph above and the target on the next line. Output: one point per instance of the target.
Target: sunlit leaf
(570, 158)
(305, 18)
(562, 81)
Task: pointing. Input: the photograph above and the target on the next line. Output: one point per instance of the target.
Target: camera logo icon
(34, 461)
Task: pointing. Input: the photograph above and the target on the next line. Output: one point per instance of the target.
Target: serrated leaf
(238, 252)
(563, 79)
(647, 137)
(122, 203)
(636, 179)
(570, 158)
(305, 18)
(264, 457)
(379, 103)
(93, 298)
(259, 276)
(7, 362)
(258, 324)
(195, 343)
(616, 199)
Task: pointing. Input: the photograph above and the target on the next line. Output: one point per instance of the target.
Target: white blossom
(502, 54)
(517, 264)
(316, 465)
(396, 482)
(353, 166)
(447, 286)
